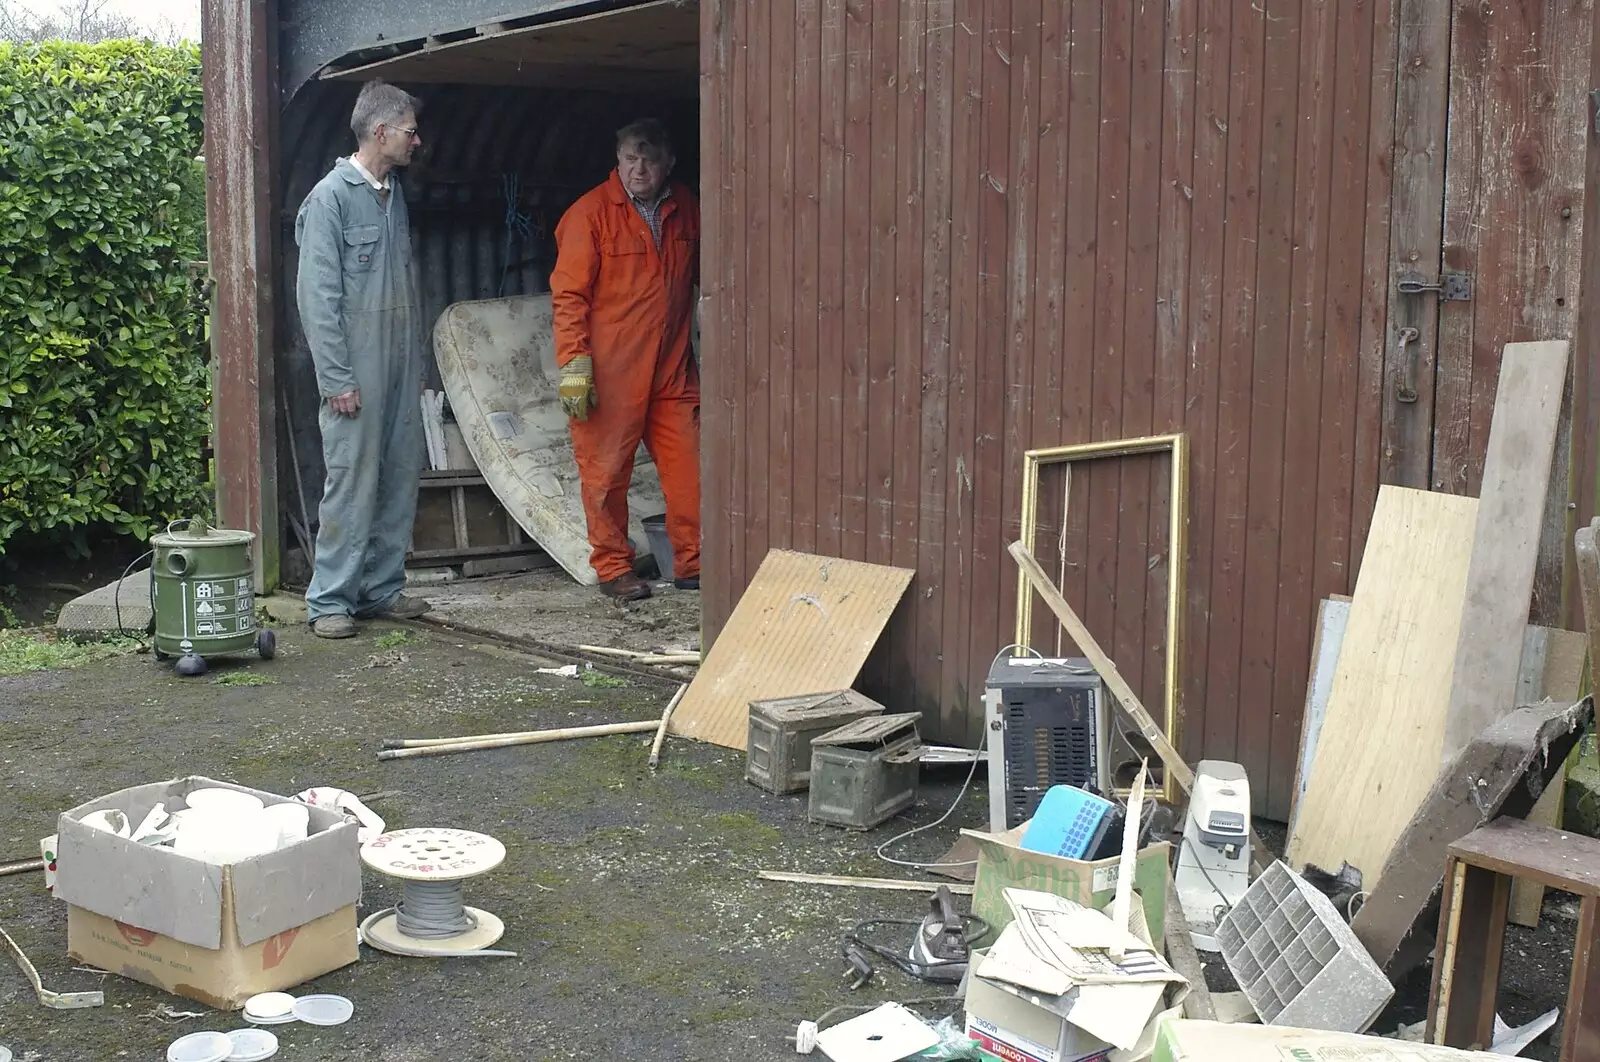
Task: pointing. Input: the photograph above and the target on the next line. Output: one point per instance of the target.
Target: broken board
(1503, 771)
(804, 625)
(1505, 542)
(498, 362)
(1552, 667)
(1382, 735)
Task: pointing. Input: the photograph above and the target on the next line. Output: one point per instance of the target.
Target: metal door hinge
(1450, 287)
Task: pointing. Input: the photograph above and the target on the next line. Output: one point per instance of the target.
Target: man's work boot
(335, 626)
(402, 607)
(691, 583)
(627, 587)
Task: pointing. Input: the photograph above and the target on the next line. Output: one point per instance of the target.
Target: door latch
(1450, 287)
(1405, 389)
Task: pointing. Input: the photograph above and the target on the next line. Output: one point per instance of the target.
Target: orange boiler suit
(628, 304)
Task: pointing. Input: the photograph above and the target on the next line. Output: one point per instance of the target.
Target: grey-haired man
(358, 304)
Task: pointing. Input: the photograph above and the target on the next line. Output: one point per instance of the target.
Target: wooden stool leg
(1580, 1036)
(1472, 934)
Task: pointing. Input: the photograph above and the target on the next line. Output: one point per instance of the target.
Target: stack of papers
(1057, 954)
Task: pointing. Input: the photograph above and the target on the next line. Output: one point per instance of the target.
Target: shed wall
(940, 233)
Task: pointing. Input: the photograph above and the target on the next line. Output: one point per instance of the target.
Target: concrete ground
(631, 896)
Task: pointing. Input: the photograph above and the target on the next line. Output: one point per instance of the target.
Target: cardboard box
(1205, 1041)
(213, 934)
(1011, 1028)
(1004, 864)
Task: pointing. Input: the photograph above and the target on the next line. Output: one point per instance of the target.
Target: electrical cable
(434, 910)
(973, 929)
(430, 910)
(1349, 905)
(1225, 906)
(116, 598)
(983, 743)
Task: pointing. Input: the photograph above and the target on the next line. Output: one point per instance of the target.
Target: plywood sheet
(805, 624)
(1516, 476)
(1382, 736)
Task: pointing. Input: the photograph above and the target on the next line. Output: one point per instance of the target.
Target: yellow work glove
(577, 387)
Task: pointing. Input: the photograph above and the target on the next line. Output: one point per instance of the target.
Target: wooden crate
(460, 522)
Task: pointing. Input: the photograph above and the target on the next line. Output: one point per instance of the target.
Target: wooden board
(1332, 618)
(804, 625)
(1506, 540)
(1560, 678)
(1381, 740)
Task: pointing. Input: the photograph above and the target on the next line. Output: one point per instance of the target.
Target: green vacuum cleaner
(202, 595)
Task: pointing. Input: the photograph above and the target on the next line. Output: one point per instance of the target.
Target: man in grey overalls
(362, 318)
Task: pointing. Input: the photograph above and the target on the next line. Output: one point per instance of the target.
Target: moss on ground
(630, 894)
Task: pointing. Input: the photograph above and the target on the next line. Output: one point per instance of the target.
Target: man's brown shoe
(627, 587)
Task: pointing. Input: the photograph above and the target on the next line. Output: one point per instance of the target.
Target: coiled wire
(434, 910)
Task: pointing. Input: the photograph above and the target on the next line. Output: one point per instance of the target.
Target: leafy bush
(104, 380)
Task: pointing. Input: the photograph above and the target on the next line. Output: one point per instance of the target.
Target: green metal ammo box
(779, 749)
(865, 772)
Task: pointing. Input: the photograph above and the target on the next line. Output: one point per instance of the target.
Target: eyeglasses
(409, 133)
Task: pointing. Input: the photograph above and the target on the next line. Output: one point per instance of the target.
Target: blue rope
(519, 226)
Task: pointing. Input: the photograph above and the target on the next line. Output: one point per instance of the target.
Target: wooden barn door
(1492, 125)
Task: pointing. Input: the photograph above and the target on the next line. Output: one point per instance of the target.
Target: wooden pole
(1170, 757)
(532, 737)
(1177, 768)
(661, 732)
(881, 884)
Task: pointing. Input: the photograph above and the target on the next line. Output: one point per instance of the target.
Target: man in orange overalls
(628, 254)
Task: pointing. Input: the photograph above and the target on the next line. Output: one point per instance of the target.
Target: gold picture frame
(1177, 444)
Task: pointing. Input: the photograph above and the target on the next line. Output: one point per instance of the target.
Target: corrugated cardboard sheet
(805, 624)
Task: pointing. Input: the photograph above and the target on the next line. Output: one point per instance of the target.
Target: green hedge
(104, 382)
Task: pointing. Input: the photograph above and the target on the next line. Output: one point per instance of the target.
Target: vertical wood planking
(1421, 104)
(967, 119)
(1239, 277)
(1213, 57)
(858, 250)
(1586, 345)
(1178, 160)
(1018, 431)
(991, 585)
(958, 229)
(807, 397)
(761, 229)
(878, 487)
(1080, 351)
(831, 285)
(1306, 355)
(1464, 200)
(939, 654)
(1385, 154)
(909, 90)
(781, 242)
(739, 199)
(1268, 385)
(1103, 478)
(1050, 276)
(715, 354)
(1141, 622)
